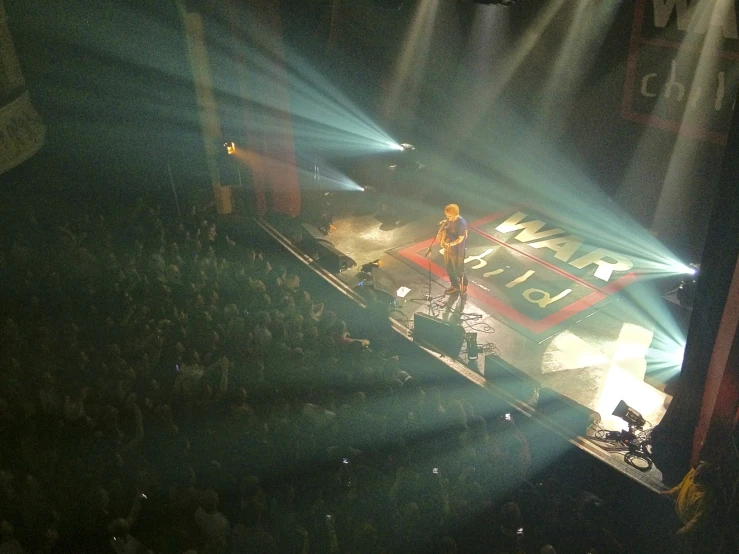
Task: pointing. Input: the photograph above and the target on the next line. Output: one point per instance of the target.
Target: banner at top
(22, 132)
(683, 67)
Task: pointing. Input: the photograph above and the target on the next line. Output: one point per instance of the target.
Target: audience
(166, 389)
(697, 501)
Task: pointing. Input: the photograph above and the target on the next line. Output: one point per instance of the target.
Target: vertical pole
(250, 116)
(278, 149)
(209, 121)
(680, 436)
(18, 118)
(334, 24)
(174, 189)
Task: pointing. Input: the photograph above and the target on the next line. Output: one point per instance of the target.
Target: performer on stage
(453, 239)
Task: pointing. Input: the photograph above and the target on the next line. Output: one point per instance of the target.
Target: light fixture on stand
(688, 286)
(630, 416)
(408, 160)
(369, 266)
(635, 440)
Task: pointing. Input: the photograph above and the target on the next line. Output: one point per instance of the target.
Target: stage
(555, 310)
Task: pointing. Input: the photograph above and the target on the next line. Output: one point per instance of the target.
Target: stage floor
(550, 315)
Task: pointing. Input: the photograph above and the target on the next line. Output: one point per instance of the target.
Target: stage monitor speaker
(311, 232)
(566, 412)
(331, 259)
(384, 282)
(381, 283)
(437, 334)
(318, 247)
(512, 380)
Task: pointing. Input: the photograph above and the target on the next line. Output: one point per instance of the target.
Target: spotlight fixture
(629, 415)
(636, 441)
(688, 286)
(407, 159)
(368, 267)
(230, 148)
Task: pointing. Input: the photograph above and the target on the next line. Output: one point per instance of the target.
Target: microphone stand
(428, 296)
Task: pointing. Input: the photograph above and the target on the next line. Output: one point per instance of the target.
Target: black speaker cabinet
(512, 380)
(566, 412)
(437, 334)
(318, 247)
(330, 258)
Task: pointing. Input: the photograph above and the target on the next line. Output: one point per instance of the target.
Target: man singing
(453, 239)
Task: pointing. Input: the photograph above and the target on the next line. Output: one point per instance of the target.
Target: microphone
(443, 221)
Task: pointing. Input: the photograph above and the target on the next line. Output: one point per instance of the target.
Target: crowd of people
(165, 388)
